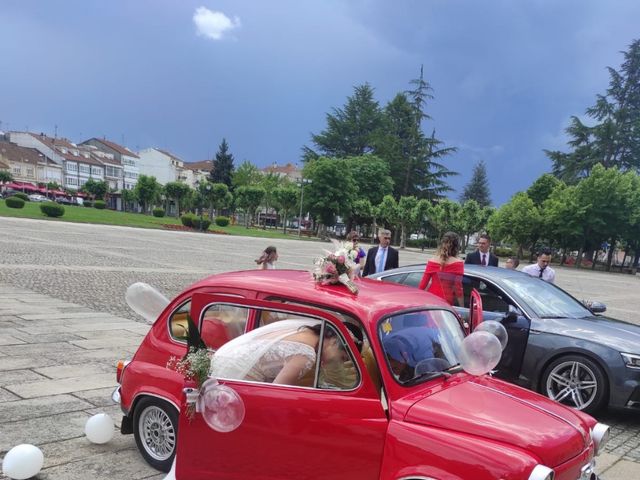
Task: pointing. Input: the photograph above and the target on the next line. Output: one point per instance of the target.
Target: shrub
(504, 252)
(21, 195)
(88, 203)
(100, 204)
(52, 209)
(222, 221)
(206, 223)
(158, 212)
(14, 202)
(188, 219)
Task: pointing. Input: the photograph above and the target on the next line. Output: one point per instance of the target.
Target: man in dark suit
(382, 257)
(483, 256)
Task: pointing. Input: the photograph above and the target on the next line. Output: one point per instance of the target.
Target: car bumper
(625, 393)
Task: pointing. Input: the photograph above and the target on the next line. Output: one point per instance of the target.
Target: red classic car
(389, 401)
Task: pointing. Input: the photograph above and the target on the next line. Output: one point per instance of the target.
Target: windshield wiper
(427, 376)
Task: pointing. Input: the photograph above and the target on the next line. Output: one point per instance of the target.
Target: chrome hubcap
(157, 433)
(572, 383)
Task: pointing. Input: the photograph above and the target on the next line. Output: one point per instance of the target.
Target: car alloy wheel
(156, 431)
(576, 381)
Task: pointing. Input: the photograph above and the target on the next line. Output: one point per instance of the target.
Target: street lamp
(46, 176)
(303, 182)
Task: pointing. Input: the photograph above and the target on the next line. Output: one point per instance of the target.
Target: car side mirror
(512, 315)
(595, 307)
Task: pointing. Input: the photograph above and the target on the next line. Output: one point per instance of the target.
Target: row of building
(40, 159)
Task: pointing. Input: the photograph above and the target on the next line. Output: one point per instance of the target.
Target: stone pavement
(57, 369)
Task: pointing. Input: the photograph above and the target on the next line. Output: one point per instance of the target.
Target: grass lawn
(78, 214)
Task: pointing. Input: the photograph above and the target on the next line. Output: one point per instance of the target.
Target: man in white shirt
(541, 269)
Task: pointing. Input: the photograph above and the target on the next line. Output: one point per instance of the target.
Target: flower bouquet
(194, 366)
(337, 267)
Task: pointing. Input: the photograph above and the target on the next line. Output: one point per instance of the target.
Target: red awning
(80, 194)
(58, 192)
(21, 186)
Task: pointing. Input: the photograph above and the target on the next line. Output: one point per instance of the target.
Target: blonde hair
(449, 246)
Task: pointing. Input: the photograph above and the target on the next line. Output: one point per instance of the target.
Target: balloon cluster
(145, 300)
(481, 351)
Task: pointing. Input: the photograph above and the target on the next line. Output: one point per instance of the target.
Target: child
(267, 259)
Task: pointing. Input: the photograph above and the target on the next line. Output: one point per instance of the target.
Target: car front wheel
(576, 381)
(155, 427)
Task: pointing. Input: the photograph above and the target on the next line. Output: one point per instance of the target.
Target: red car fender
(167, 385)
(416, 451)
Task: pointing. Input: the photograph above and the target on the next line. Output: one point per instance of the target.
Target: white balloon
(22, 461)
(221, 406)
(496, 328)
(146, 301)
(99, 428)
(480, 353)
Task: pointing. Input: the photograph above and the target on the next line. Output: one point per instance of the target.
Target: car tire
(576, 381)
(155, 427)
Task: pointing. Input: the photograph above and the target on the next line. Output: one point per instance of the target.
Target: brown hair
(352, 235)
(449, 246)
(268, 256)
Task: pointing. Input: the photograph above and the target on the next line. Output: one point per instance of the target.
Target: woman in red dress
(443, 274)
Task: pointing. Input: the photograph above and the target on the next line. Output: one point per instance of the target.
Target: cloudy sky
(182, 74)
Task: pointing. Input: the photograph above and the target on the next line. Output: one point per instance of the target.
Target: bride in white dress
(281, 352)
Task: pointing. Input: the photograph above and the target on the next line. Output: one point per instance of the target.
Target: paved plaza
(64, 324)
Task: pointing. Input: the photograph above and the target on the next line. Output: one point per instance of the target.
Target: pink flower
(331, 268)
(341, 259)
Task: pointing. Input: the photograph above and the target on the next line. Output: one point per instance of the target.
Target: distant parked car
(36, 197)
(63, 201)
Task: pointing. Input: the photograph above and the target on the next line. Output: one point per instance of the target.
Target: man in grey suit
(381, 258)
(482, 256)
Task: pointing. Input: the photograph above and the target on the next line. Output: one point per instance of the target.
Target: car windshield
(545, 299)
(421, 344)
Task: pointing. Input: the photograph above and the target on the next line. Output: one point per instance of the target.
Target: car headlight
(540, 472)
(600, 435)
(631, 360)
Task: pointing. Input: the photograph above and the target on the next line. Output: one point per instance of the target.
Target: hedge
(206, 223)
(222, 221)
(87, 203)
(52, 209)
(158, 212)
(14, 202)
(21, 195)
(188, 219)
(100, 204)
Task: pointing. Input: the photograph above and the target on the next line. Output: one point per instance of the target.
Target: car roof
(478, 270)
(373, 300)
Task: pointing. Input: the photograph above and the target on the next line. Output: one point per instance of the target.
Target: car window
(420, 344)
(294, 350)
(358, 335)
(413, 279)
(221, 323)
(178, 324)
(545, 299)
(395, 278)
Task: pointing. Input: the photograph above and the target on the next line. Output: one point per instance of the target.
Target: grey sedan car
(557, 345)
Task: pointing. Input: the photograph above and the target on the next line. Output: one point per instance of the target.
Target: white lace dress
(260, 360)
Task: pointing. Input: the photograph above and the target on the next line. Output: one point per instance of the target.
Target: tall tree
(352, 130)
(147, 191)
(614, 140)
(331, 191)
(222, 169)
(5, 176)
(246, 174)
(542, 188)
(373, 180)
(177, 191)
(285, 199)
(478, 187)
(249, 199)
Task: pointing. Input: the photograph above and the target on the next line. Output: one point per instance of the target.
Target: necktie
(381, 262)
(484, 259)
(541, 270)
